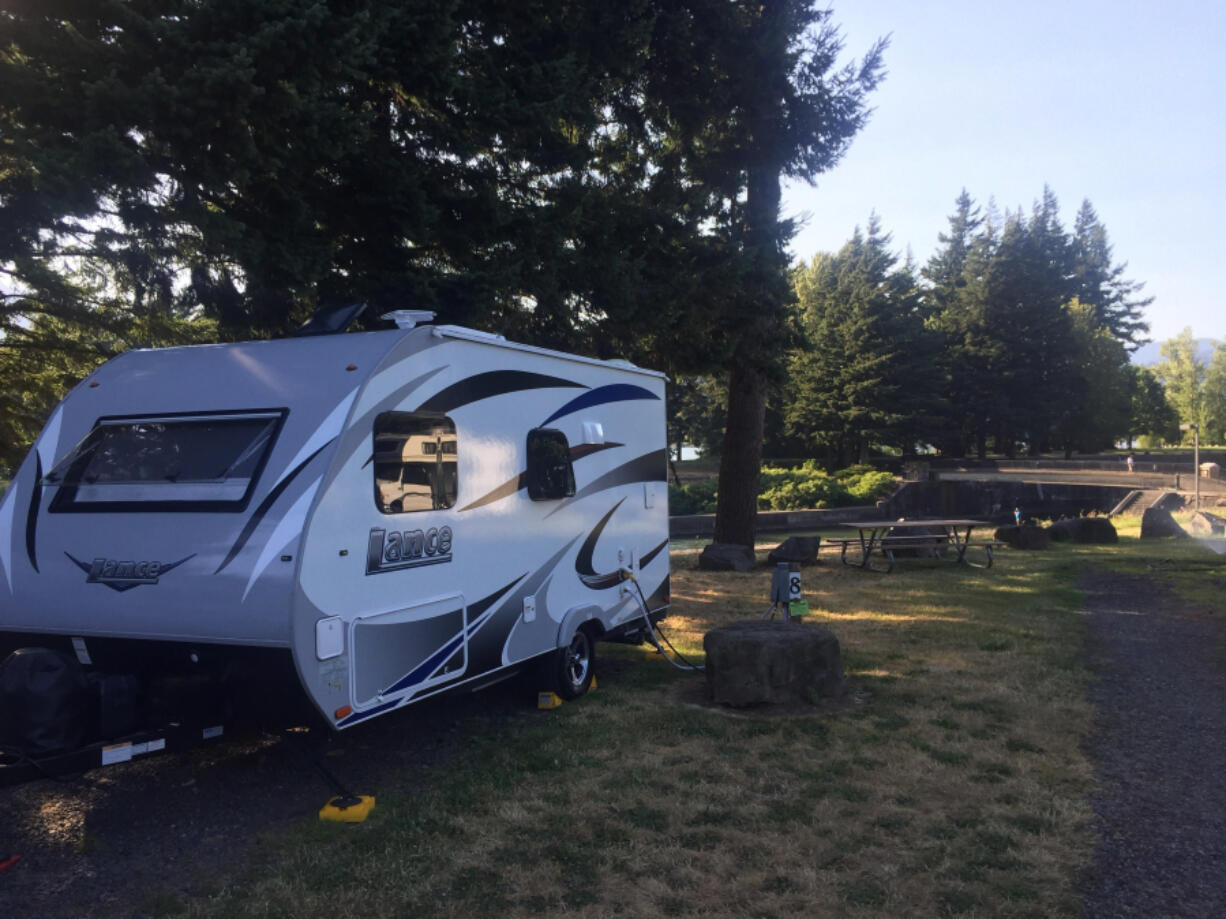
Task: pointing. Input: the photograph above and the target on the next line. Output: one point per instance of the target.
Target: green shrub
(810, 486)
(853, 472)
(870, 486)
(801, 487)
(692, 498)
(798, 488)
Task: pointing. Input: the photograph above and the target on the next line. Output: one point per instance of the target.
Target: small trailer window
(550, 473)
(167, 462)
(415, 462)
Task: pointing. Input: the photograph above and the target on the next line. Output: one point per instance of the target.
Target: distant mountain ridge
(1148, 355)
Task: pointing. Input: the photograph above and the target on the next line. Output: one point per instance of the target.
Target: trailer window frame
(550, 470)
(78, 458)
(441, 481)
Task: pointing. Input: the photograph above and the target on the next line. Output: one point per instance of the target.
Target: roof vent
(407, 319)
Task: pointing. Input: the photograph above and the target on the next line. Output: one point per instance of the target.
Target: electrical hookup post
(787, 597)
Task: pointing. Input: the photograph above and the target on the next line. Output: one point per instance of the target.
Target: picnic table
(885, 536)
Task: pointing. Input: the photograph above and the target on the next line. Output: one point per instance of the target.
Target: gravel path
(1159, 752)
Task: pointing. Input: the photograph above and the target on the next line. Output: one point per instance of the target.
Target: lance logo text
(124, 575)
(391, 551)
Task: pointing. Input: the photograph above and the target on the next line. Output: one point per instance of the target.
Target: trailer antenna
(407, 319)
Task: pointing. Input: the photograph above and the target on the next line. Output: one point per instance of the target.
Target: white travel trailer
(387, 515)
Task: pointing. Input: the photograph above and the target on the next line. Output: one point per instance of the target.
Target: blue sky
(1120, 102)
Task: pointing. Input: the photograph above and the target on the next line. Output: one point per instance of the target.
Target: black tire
(572, 666)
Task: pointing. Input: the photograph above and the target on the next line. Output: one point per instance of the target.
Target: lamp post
(1195, 429)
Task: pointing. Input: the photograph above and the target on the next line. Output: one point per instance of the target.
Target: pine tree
(863, 379)
(750, 96)
(1099, 398)
(1101, 285)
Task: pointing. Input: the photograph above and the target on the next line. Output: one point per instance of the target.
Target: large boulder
(1169, 501)
(1157, 523)
(761, 662)
(1084, 530)
(1024, 537)
(726, 556)
(799, 549)
(1205, 524)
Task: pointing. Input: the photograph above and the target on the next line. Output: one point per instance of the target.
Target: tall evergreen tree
(864, 379)
(1101, 285)
(972, 353)
(539, 169)
(1098, 403)
(752, 96)
(945, 271)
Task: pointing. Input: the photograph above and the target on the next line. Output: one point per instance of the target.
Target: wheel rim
(578, 660)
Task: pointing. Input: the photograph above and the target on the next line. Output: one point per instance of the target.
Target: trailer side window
(550, 473)
(414, 462)
(201, 461)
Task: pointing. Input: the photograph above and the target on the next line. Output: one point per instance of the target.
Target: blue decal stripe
(482, 609)
(601, 395)
(424, 669)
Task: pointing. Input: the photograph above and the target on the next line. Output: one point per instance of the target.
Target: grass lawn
(951, 783)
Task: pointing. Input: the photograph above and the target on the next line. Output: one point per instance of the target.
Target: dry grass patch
(953, 784)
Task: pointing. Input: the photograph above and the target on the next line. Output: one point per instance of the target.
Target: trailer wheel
(572, 665)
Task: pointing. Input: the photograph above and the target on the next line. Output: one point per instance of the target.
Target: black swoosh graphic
(264, 507)
(647, 559)
(486, 645)
(492, 383)
(661, 597)
(583, 561)
(650, 467)
(510, 487)
(32, 514)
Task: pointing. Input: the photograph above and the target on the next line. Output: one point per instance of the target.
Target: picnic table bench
(940, 535)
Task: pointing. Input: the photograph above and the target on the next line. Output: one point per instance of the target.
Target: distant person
(1017, 515)
(1131, 463)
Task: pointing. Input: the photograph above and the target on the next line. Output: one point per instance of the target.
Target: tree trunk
(740, 462)
(765, 286)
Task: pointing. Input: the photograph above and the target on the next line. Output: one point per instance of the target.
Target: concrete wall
(996, 500)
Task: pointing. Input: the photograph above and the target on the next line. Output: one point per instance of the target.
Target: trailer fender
(575, 617)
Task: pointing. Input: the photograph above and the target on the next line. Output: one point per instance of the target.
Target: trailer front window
(415, 462)
(177, 462)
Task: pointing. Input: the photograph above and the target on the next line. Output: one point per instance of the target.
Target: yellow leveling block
(348, 809)
(553, 700)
